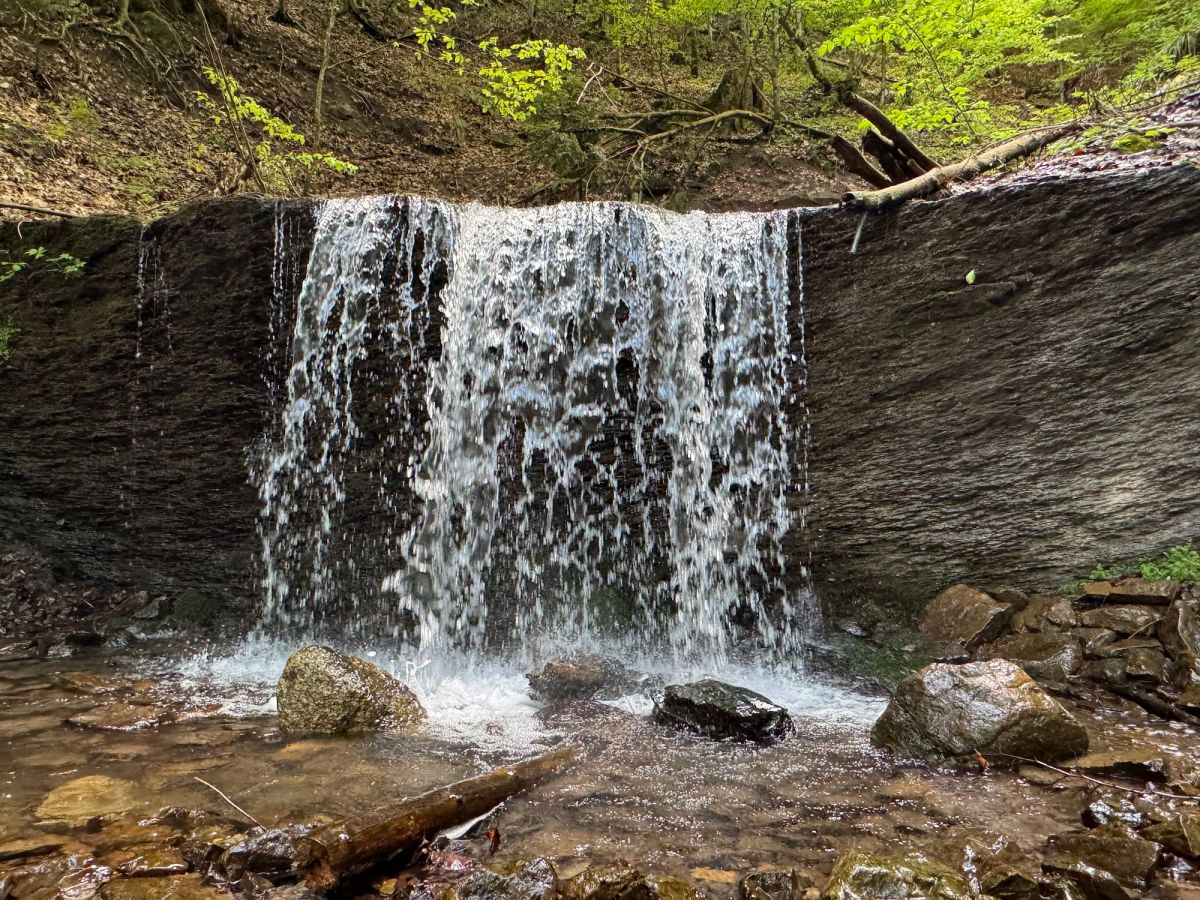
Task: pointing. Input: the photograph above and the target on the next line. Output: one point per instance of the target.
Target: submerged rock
(721, 710)
(864, 876)
(961, 618)
(622, 882)
(1093, 882)
(174, 887)
(1113, 848)
(521, 880)
(581, 677)
(84, 799)
(991, 707)
(774, 884)
(327, 692)
(1009, 883)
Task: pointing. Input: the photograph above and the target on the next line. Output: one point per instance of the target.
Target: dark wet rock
(1113, 847)
(1101, 812)
(1123, 619)
(991, 707)
(1045, 612)
(582, 677)
(1141, 764)
(194, 609)
(24, 848)
(774, 884)
(153, 610)
(1179, 632)
(721, 711)
(961, 618)
(1094, 640)
(622, 882)
(1134, 590)
(520, 880)
(1047, 656)
(1125, 646)
(1145, 664)
(175, 887)
(83, 800)
(1189, 698)
(153, 862)
(1009, 883)
(1105, 671)
(1180, 834)
(82, 883)
(326, 692)
(864, 876)
(975, 852)
(270, 853)
(1093, 883)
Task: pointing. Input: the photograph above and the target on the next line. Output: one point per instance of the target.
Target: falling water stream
(507, 427)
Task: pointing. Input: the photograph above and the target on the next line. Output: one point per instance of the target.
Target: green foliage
(1181, 563)
(944, 53)
(517, 76)
(272, 136)
(562, 136)
(7, 332)
(35, 258)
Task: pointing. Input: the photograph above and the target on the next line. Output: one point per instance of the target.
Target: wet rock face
(1113, 848)
(927, 387)
(522, 880)
(1179, 631)
(960, 618)
(991, 707)
(322, 691)
(864, 876)
(722, 711)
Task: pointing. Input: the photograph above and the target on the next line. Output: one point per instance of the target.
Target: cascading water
(506, 427)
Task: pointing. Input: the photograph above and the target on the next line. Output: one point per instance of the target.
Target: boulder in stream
(991, 707)
(582, 677)
(722, 711)
(961, 618)
(1112, 847)
(517, 880)
(864, 876)
(322, 691)
(1047, 655)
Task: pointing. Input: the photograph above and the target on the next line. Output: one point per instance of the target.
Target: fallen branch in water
(1112, 785)
(225, 797)
(328, 854)
(936, 179)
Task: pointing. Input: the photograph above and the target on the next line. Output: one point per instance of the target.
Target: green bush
(1181, 563)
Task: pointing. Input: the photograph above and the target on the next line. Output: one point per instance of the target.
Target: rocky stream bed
(133, 770)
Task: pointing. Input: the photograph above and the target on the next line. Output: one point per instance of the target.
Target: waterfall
(508, 427)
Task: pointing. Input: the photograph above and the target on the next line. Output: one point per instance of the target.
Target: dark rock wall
(1018, 429)
(127, 419)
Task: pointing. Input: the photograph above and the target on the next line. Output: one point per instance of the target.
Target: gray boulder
(721, 711)
(992, 707)
(322, 691)
(961, 618)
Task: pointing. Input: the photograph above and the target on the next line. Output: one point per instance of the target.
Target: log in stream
(329, 854)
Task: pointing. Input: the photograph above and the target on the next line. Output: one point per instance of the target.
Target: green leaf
(971, 277)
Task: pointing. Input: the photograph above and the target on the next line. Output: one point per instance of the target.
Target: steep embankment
(1016, 425)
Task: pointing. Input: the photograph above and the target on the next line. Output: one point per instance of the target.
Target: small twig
(1067, 773)
(225, 797)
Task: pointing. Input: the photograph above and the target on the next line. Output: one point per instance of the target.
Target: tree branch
(936, 179)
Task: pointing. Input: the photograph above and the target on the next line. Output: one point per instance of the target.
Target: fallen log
(933, 181)
(327, 855)
(886, 126)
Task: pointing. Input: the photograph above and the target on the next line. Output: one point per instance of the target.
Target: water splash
(580, 428)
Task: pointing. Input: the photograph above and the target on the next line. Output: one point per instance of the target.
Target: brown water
(666, 801)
